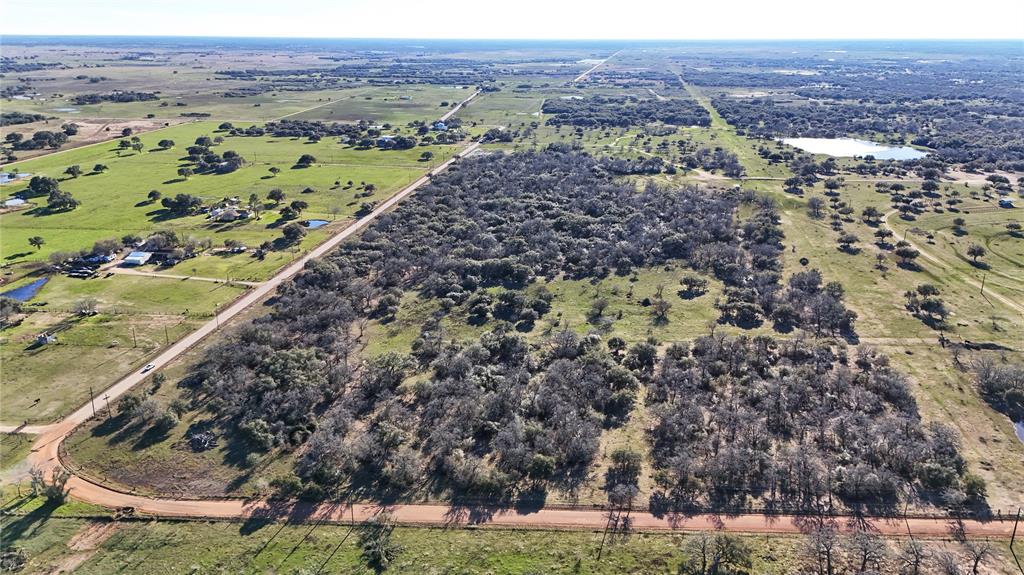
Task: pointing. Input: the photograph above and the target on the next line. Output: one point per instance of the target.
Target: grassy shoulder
(14, 448)
(56, 542)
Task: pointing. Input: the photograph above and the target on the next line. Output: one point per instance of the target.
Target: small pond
(27, 291)
(1019, 428)
(314, 224)
(67, 110)
(848, 147)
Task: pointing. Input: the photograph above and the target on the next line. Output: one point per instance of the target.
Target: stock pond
(848, 147)
(27, 291)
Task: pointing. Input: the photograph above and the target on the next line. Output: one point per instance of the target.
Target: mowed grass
(114, 203)
(266, 547)
(140, 314)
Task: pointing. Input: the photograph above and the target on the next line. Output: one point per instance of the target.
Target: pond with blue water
(27, 291)
(849, 147)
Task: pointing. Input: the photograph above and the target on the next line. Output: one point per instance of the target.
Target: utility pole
(167, 338)
(134, 342)
(106, 398)
(91, 402)
(983, 278)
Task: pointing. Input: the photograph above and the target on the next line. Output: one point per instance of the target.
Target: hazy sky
(621, 19)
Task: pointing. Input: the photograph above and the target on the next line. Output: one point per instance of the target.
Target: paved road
(458, 107)
(584, 75)
(45, 454)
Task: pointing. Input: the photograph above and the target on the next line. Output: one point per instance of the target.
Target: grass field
(394, 105)
(945, 392)
(114, 203)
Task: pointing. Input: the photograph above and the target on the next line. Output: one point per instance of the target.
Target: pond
(314, 224)
(848, 147)
(67, 110)
(1019, 428)
(27, 291)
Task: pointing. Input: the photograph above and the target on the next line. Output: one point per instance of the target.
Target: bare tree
(911, 557)
(948, 563)
(820, 548)
(978, 550)
(866, 548)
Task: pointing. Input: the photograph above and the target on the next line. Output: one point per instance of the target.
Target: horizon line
(472, 39)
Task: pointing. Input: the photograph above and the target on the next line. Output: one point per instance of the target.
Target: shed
(137, 258)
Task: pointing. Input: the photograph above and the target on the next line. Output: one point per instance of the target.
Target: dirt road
(46, 456)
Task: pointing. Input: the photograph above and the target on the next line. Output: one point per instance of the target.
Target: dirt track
(944, 266)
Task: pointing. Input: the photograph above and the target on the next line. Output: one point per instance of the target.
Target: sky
(521, 19)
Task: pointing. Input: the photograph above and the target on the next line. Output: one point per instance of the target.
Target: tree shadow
(688, 295)
(26, 525)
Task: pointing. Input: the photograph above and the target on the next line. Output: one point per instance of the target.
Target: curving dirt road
(45, 454)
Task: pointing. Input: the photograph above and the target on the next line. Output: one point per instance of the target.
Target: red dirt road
(45, 455)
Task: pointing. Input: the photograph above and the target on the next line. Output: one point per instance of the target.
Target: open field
(114, 203)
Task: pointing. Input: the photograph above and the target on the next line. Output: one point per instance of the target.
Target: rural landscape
(511, 307)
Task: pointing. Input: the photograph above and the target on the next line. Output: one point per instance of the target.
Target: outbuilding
(137, 258)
